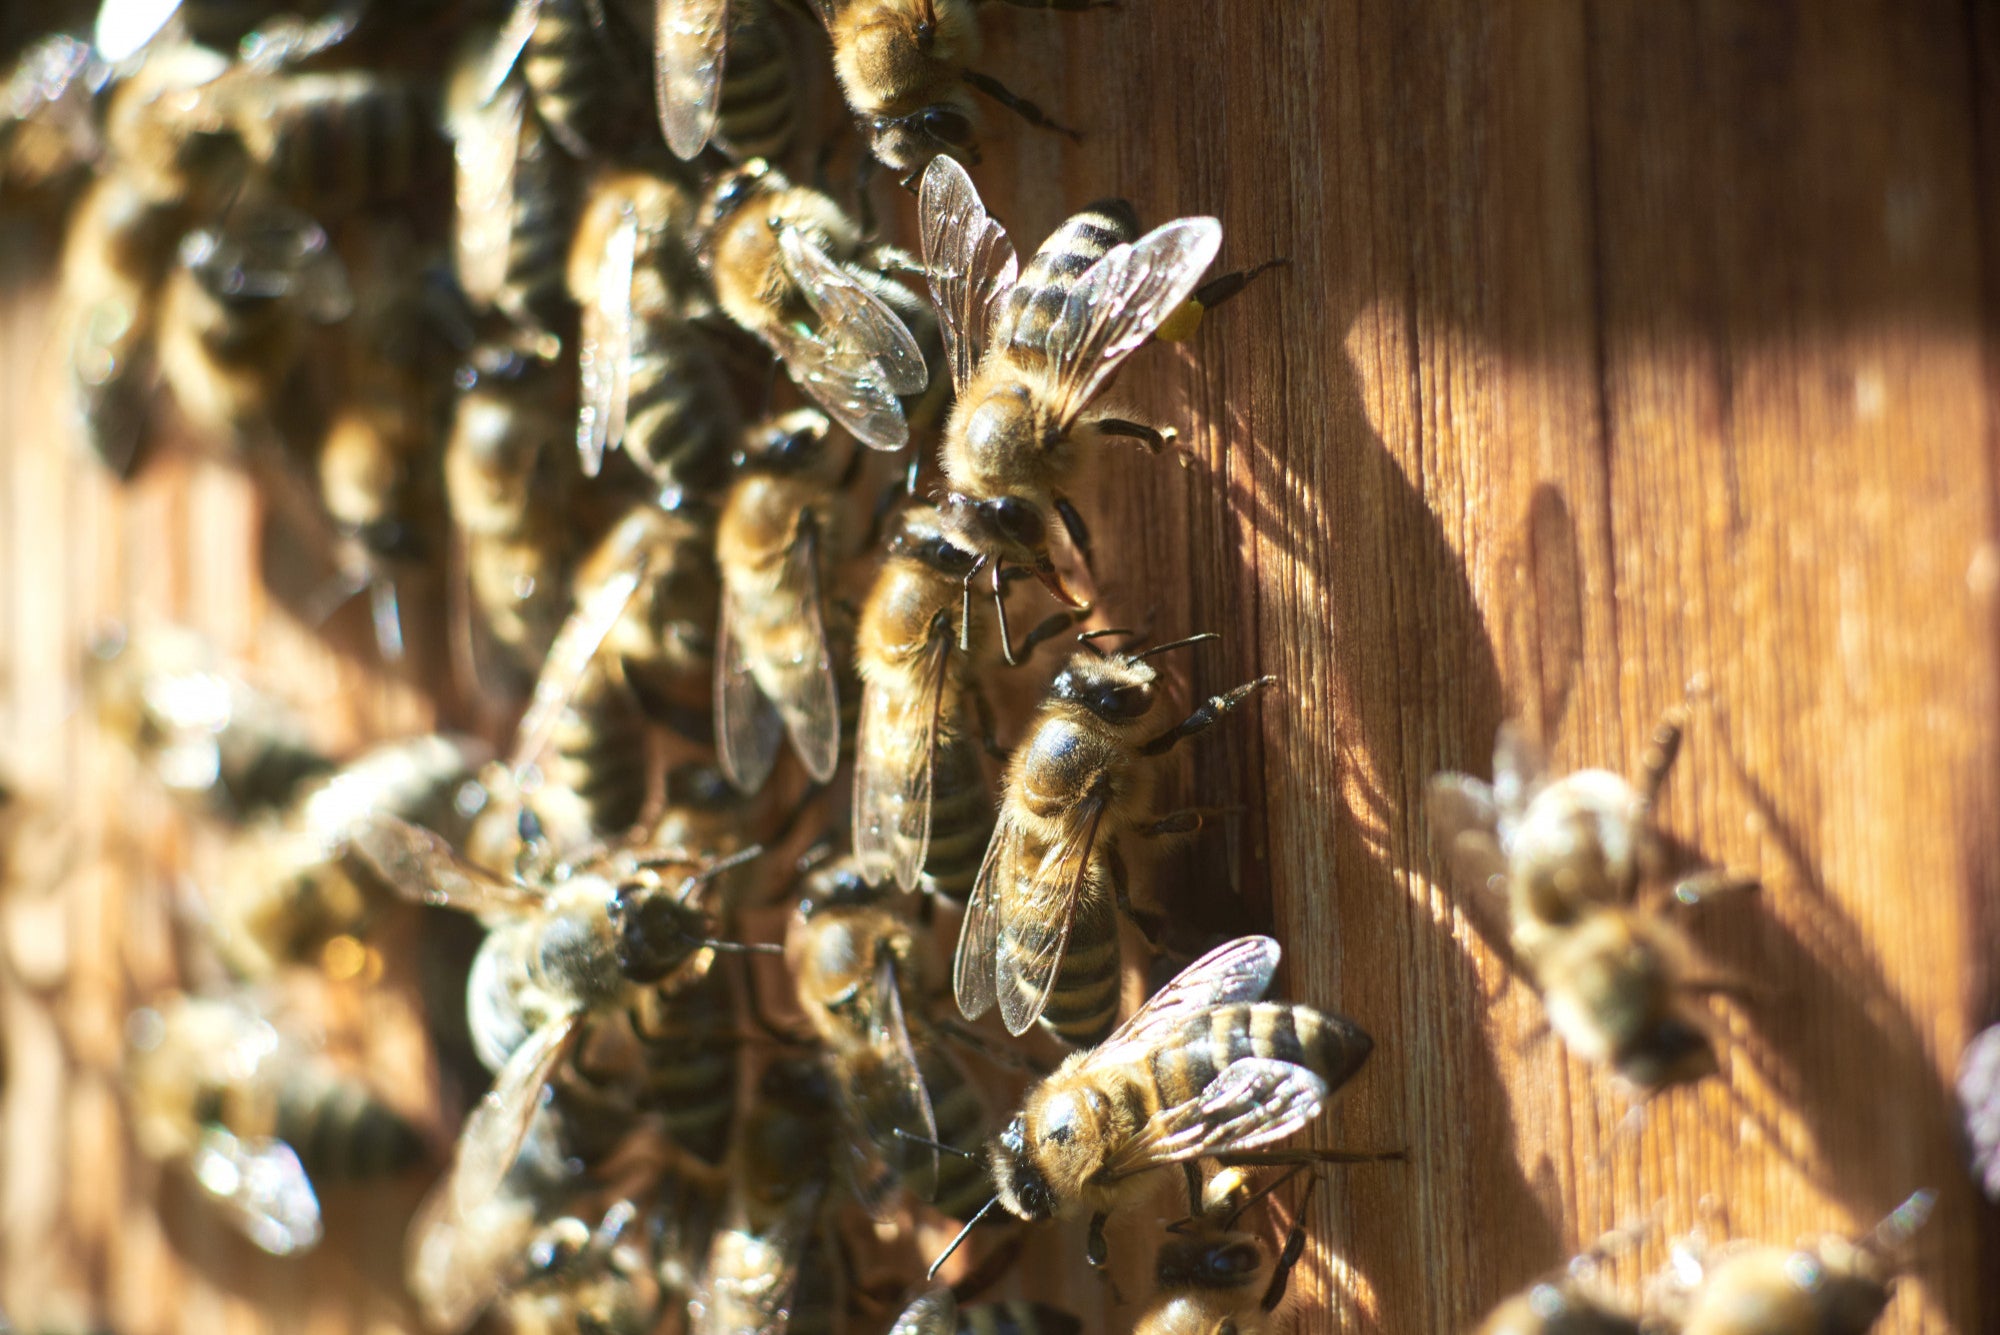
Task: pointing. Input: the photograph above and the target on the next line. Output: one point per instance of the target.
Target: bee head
(1016, 1180)
(1673, 1052)
(907, 143)
(1227, 1262)
(735, 188)
(1118, 688)
(794, 442)
(920, 537)
(656, 933)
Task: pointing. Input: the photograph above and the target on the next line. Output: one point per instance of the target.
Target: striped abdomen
(681, 416)
(759, 109)
(337, 1127)
(691, 1053)
(341, 141)
(591, 97)
(1332, 1046)
(1083, 1004)
(1037, 299)
(1016, 1318)
(599, 750)
(962, 1185)
(961, 816)
(533, 292)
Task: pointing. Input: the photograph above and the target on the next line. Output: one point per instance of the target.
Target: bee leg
(1154, 438)
(1186, 821)
(1661, 752)
(1191, 1174)
(1005, 1058)
(1713, 883)
(1295, 1247)
(1050, 627)
(1204, 717)
(982, 707)
(1096, 1249)
(1185, 322)
(1017, 104)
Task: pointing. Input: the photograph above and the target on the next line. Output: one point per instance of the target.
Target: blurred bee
(1202, 1071)
(255, 1116)
(516, 197)
(790, 267)
(782, 528)
(115, 255)
(725, 73)
(333, 144)
(234, 318)
(583, 66)
(1571, 856)
(1040, 934)
(507, 474)
(581, 1280)
(1979, 1103)
(289, 893)
(936, 1312)
(1214, 1277)
(1830, 1285)
(48, 118)
(209, 737)
(768, 1269)
(651, 384)
(1568, 1304)
(1029, 351)
(853, 961)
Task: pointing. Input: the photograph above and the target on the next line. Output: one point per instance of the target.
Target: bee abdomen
(535, 291)
(681, 419)
(1038, 299)
(346, 140)
(1083, 1004)
(588, 96)
(1329, 1045)
(759, 107)
(341, 1132)
(961, 817)
(963, 1185)
(601, 751)
(1016, 1318)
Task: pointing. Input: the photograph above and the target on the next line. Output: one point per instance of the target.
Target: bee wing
(421, 866)
(910, 1109)
(893, 751)
(1120, 301)
(1252, 1103)
(1027, 969)
(571, 655)
(968, 261)
(974, 979)
(851, 317)
(509, 45)
(604, 355)
(486, 146)
(1239, 970)
(811, 710)
(456, 1263)
(261, 1185)
(496, 1129)
(935, 1312)
(1463, 818)
(847, 383)
(689, 42)
(747, 729)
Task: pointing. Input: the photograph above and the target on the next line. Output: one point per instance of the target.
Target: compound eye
(1230, 1262)
(1017, 521)
(947, 124)
(1123, 701)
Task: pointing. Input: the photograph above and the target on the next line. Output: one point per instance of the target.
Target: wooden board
(1620, 345)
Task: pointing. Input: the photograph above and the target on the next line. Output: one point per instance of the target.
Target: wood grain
(1620, 345)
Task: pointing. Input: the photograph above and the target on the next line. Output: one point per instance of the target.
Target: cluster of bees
(497, 295)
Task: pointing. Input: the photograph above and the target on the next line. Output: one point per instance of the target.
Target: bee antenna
(930, 1276)
(1903, 1222)
(716, 868)
(1102, 631)
(739, 947)
(1179, 644)
(938, 1145)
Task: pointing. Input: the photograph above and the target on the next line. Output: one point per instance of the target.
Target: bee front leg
(1017, 104)
(1661, 753)
(1154, 438)
(1205, 716)
(1713, 883)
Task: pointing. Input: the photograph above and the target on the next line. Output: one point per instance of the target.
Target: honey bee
(1830, 1285)
(255, 1116)
(1215, 1278)
(748, 102)
(650, 380)
(767, 1268)
(936, 1312)
(288, 889)
(207, 736)
(1202, 1071)
(118, 247)
(1029, 351)
(1571, 855)
(331, 144)
(780, 531)
(581, 65)
(1040, 934)
(1565, 1305)
(507, 472)
(853, 960)
(792, 268)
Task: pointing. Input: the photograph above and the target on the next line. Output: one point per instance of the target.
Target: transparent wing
(421, 866)
(604, 354)
(1252, 1103)
(570, 657)
(1039, 915)
(894, 747)
(261, 1186)
(494, 1132)
(486, 146)
(811, 709)
(1520, 767)
(974, 979)
(1463, 819)
(509, 45)
(747, 729)
(969, 261)
(1239, 970)
(909, 1107)
(851, 317)
(1118, 304)
(689, 42)
(849, 384)
(935, 1312)
(457, 1263)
